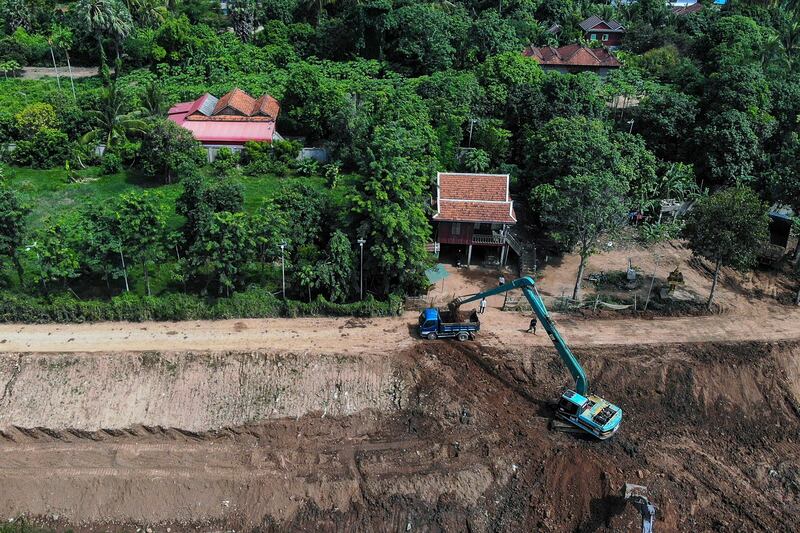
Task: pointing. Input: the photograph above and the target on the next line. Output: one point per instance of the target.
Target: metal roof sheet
(207, 107)
(209, 131)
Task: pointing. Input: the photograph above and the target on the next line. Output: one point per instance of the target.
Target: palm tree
(105, 17)
(789, 30)
(55, 66)
(772, 51)
(154, 100)
(242, 15)
(61, 38)
(150, 13)
(319, 6)
(112, 121)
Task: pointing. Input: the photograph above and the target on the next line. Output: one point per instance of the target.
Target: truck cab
(593, 414)
(434, 324)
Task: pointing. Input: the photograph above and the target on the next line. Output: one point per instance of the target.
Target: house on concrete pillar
(473, 215)
(228, 122)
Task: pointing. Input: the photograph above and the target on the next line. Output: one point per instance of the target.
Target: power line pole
(283, 271)
(361, 243)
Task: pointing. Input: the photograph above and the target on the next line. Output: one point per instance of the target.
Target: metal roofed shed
(781, 218)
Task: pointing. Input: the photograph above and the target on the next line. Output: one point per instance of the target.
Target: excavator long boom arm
(528, 287)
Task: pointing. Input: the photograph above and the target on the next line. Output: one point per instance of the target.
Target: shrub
(332, 173)
(11, 59)
(33, 47)
(307, 167)
(110, 164)
(128, 151)
(35, 117)
(286, 151)
(47, 148)
(269, 158)
(8, 127)
(266, 166)
(256, 151)
(253, 303)
(652, 233)
(226, 162)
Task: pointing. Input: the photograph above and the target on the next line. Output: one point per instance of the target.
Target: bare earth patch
(437, 436)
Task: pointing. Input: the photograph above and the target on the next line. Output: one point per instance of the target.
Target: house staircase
(525, 250)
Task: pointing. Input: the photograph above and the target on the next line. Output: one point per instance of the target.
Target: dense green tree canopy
(728, 228)
(12, 226)
(395, 91)
(169, 151)
(580, 209)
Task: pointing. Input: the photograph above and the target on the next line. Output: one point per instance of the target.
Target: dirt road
(380, 335)
(37, 73)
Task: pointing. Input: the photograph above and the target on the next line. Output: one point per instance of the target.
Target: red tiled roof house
(473, 210)
(573, 58)
(230, 121)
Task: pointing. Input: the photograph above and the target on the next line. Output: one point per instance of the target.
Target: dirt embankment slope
(711, 428)
(193, 392)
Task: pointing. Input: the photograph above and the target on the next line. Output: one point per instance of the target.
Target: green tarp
(437, 273)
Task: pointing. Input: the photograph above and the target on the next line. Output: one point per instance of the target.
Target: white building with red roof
(230, 121)
(473, 210)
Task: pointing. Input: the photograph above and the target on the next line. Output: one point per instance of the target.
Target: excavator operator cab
(571, 403)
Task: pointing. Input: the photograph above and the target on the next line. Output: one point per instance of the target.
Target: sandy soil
(382, 335)
(753, 292)
(191, 391)
(710, 428)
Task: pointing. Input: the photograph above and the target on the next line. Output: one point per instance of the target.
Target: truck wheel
(463, 336)
(431, 336)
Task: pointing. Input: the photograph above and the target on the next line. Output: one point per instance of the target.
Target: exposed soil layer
(191, 391)
(443, 436)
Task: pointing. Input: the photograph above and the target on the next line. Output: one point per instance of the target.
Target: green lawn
(49, 193)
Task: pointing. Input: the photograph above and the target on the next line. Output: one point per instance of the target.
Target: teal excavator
(585, 411)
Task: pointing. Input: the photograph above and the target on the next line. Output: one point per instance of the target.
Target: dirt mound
(711, 429)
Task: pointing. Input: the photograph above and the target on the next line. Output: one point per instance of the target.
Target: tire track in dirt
(382, 335)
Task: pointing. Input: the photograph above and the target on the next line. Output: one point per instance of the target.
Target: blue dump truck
(442, 324)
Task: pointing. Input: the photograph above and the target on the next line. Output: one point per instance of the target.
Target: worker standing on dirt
(501, 280)
(483, 305)
(532, 327)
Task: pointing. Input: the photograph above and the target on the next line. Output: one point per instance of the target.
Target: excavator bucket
(637, 496)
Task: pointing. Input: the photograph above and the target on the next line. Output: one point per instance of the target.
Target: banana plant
(112, 121)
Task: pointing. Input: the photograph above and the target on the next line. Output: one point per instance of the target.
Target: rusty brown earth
(439, 436)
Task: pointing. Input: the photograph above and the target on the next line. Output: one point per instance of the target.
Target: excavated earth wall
(190, 391)
(443, 436)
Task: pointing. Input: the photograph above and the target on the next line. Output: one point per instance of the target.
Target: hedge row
(254, 303)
